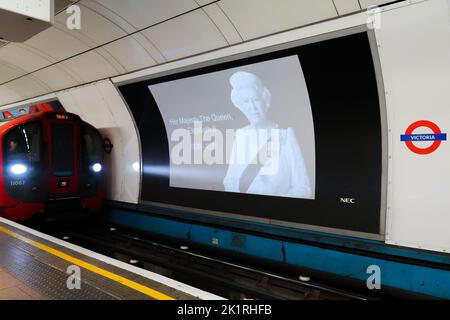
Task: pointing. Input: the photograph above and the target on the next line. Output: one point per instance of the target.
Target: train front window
(22, 146)
(63, 149)
(92, 147)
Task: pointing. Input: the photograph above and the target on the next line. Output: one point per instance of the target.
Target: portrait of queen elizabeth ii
(266, 159)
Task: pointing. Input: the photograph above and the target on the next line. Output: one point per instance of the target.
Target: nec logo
(348, 200)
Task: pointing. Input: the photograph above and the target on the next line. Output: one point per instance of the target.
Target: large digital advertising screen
(289, 134)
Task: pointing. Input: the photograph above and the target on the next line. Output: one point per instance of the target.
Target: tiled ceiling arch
(120, 36)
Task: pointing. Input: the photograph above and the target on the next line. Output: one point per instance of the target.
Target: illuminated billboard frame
(377, 230)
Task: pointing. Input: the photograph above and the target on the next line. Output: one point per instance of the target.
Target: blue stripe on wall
(413, 278)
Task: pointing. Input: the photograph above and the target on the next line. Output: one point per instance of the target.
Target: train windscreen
(62, 149)
(23, 144)
(91, 145)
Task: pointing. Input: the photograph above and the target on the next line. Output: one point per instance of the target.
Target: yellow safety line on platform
(131, 284)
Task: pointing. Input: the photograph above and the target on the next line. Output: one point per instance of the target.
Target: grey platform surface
(47, 274)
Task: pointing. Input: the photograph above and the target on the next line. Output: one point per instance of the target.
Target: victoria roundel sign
(414, 140)
(107, 145)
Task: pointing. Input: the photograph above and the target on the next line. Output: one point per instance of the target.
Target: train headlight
(96, 167)
(18, 169)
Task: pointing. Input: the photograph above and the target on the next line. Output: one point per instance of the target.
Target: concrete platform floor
(13, 289)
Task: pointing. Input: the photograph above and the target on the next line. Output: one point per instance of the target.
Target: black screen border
(258, 52)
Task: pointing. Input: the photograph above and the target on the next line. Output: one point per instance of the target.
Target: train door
(63, 150)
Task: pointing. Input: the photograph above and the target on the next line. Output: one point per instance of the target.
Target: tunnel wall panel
(416, 67)
(100, 105)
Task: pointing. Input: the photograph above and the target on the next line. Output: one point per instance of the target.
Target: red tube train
(49, 160)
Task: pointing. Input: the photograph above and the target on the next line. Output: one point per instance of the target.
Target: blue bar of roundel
(409, 137)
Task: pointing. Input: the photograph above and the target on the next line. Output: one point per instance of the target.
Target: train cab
(49, 160)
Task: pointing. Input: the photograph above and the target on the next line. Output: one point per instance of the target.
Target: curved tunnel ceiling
(118, 37)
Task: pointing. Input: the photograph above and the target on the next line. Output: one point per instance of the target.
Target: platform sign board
(36, 9)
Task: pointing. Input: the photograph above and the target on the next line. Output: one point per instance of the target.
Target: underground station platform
(34, 266)
(222, 150)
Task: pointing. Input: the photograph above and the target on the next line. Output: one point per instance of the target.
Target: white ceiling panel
(9, 72)
(56, 78)
(366, 3)
(109, 14)
(130, 54)
(150, 47)
(95, 29)
(223, 23)
(111, 60)
(204, 2)
(144, 13)
(27, 87)
(186, 35)
(20, 56)
(255, 18)
(57, 44)
(90, 66)
(347, 6)
(8, 95)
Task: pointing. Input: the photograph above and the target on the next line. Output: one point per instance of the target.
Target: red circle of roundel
(428, 124)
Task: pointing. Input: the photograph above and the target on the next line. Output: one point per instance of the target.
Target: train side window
(92, 145)
(23, 143)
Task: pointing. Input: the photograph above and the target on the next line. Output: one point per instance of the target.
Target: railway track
(212, 273)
